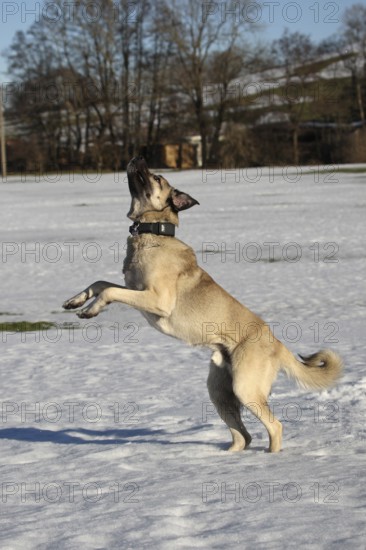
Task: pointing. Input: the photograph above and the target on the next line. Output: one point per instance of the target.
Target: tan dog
(180, 299)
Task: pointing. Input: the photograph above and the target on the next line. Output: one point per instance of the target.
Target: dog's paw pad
(68, 305)
(75, 301)
(84, 314)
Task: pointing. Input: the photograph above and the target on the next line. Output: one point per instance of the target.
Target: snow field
(108, 438)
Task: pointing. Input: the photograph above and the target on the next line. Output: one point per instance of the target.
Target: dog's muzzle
(138, 175)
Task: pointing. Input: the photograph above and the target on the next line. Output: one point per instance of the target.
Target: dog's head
(153, 198)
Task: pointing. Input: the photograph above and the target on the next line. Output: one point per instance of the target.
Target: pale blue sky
(319, 18)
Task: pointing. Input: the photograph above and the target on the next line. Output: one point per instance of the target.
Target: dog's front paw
(86, 313)
(76, 301)
(91, 311)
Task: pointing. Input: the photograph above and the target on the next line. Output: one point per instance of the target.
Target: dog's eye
(156, 178)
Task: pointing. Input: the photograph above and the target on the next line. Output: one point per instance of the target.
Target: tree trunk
(126, 107)
(360, 101)
(295, 143)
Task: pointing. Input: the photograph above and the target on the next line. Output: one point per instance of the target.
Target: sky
(320, 19)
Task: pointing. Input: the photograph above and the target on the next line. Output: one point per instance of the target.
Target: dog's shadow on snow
(81, 436)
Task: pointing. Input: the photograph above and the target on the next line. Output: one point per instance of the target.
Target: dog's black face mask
(138, 177)
(152, 193)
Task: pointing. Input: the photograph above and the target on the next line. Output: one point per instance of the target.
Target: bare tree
(125, 76)
(97, 59)
(224, 68)
(157, 78)
(295, 52)
(195, 37)
(354, 42)
(32, 60)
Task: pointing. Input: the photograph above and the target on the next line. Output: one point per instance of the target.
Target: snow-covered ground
(108, 439)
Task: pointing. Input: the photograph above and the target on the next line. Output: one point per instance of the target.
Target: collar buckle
(134, 229)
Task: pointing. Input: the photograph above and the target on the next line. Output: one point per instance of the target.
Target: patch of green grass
(25, 326)
(340, 170)
(352, 170)
(72, 325)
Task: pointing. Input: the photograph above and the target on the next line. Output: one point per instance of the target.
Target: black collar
(157, 228)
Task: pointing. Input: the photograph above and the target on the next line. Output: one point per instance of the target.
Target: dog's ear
(182, 201)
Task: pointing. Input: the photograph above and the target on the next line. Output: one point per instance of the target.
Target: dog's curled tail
(317, 371)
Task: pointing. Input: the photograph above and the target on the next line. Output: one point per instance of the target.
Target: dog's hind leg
(253, 376)
(219, 384)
